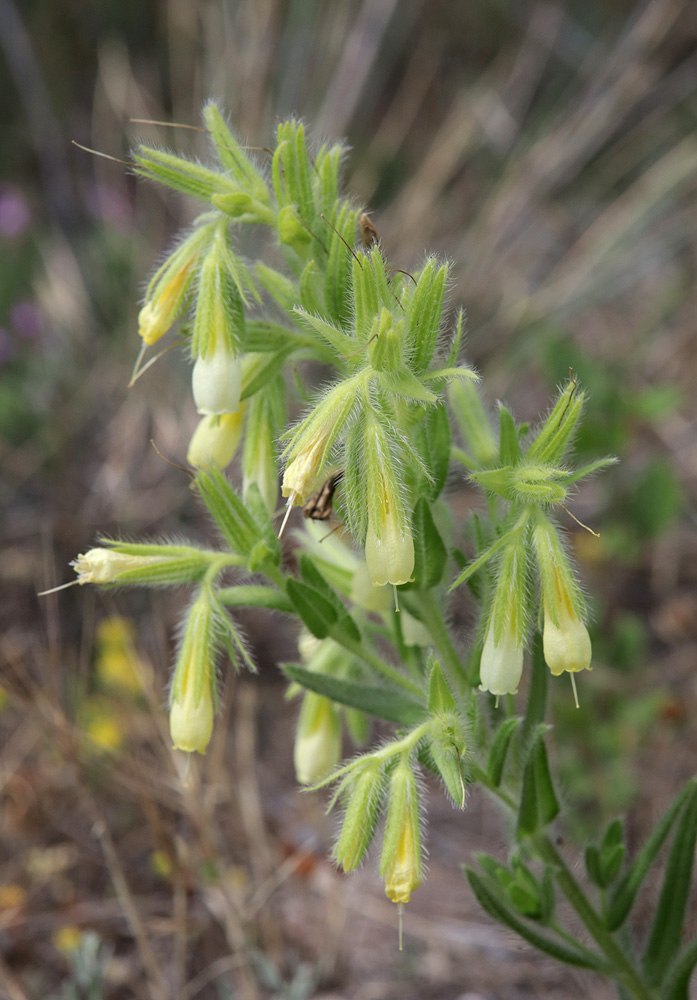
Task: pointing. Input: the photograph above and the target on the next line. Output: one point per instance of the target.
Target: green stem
(625, 972)
(378, 665)
(433, 619)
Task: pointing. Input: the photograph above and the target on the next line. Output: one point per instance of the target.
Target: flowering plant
(376, 446)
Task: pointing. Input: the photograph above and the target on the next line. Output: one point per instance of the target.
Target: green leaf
(430, 555)
(385, 703)
(344, 621)
(509, 445)
(538, 801)
(440, 697)
(281, 289)
(499, 750)
(666, 931)
(594, 867)
(231, 154)
(536, 709)
(254, 597)
(493, 901)
(179, 173)
(259, 369)
(263, 336)
(676, 985)
(625, 894)
(313, 607)
(342, 344)
(432, 441)
(588, 470)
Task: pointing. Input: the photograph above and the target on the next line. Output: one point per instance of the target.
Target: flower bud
(566, 644)
(191, 720)
(302, 473)
(216, 439)
(501, 665)
(124, 563)
(390, 556)
(160, 311)
(217, 380)
(400, 862)
(191, 695)
(363, 791)
(318, 739)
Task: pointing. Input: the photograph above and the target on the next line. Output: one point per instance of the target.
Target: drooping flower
(318, 739)
(400, 862)
(501, 665)
(216, 439)
(566, 643)
(217, 380)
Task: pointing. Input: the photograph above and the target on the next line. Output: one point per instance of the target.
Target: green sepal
(587, 470)
(430, 554)
(449, 373)
(231, 154)
(337, 283)
(403, 384)
(255, 597)
(440, 697)
(495, 481)
(424, 309)
(446, 746)
(362, 791)
(292, 231)
(665, 938)
(232, 518)
(493, 901)
(509, 446)
(623, 898)
(257, 508)
(341, 343)
(179, 173)
(310, 290)
(538, 800)
(384, 703)
(499, 750)
(454, 351)
(556, 435)
(594, 867)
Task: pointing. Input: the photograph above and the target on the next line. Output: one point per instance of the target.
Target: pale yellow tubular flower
(317, 747)
(566, 645)
(390, 557)
(157, 315)
(403, 874)
(302, 473)
(104, 565)
(191, 722)
(501, 665)
(217, 380)
(216, 439)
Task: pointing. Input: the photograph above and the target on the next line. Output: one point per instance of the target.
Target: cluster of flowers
(383, 421)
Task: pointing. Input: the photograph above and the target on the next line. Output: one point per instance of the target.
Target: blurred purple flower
(14, 212)
(108, 204)
(25, 317)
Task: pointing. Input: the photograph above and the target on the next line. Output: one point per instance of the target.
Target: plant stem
(378, 665)
(439, 633)
(625, 973)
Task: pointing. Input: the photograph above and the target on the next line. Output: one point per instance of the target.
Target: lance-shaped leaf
(623, 899)
(179, 173)
(665, 937)
(317, 613)
(259, 369)
(430, 555)
(536, 708)
(432, 441)
(231, 154)
(676, 985)
(385, 703)
(538, 800)
(342, 344)
(492, 899)
(343, 620)
(499, 750)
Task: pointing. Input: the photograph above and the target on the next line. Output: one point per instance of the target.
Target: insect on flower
(319, 508)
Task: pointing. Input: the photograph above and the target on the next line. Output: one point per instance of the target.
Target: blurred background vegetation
(549, 149)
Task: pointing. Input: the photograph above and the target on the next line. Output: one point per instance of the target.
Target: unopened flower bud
(216, 439)
(566, 645)
(389, 554)
(400, 862)
(191, 695)
(501, 665)
(217, 380)
(318, 739)
(302, 473)
(191, 720)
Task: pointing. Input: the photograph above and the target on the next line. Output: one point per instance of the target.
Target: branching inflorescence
(379, 428)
